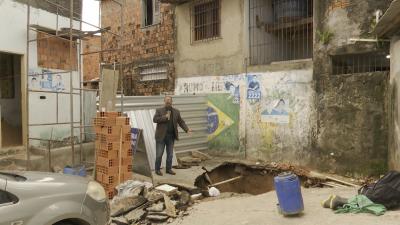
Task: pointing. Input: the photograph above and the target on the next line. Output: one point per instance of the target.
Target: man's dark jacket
(162, 123)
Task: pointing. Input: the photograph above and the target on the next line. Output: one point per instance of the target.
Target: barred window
(280, 30)
(206, 20)
(360, 63)
(151, 73)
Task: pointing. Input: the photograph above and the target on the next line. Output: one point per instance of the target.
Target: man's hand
(190, 131)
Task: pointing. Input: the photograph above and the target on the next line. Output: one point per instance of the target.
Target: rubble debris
(196, 197)
(120, 221)
(169, 207)
(154, 196)
(189, 161)
(120, 206)
(135, 215)
(157, 218)
(156, 208)
(167, 189)
(201, 155)
(129, 189)
(184, 200)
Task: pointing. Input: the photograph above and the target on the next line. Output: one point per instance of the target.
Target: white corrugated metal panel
(193, 110)
(143, 119)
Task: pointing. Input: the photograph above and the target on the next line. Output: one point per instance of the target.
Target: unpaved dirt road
(261, 210)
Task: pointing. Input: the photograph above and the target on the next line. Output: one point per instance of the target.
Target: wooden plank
(341, 181)
(226, 181)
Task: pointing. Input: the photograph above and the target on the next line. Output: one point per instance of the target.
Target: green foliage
(324, 36)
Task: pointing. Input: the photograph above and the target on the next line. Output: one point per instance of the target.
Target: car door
(9, 213)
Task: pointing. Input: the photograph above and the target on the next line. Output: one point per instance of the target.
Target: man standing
(167, 119)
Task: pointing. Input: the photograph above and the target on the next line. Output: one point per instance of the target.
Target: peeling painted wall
(261, 116)
(222, 56)
(394, 106)
(289, 137)
(352, 128)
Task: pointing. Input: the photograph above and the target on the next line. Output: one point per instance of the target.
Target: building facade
(33, 70)
(147, 47)
(300, 81)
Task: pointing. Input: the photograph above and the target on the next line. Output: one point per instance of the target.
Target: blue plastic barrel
(288, 190)
(78, 170)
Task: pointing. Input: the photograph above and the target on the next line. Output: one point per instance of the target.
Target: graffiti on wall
(253, 89)
(276, 112)
(46, 80)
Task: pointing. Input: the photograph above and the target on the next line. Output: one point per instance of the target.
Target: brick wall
(90, 67)
(140, 46)
(54, 53)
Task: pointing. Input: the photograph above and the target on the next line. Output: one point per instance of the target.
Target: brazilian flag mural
(223, 124)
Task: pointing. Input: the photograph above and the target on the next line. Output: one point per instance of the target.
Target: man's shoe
(338, 202)
(327, 203)
(334, 202)
(171, 172)
(159, 173)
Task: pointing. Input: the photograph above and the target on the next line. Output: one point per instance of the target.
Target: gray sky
(90, 14)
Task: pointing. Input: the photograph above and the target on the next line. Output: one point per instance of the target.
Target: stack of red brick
(113, 150)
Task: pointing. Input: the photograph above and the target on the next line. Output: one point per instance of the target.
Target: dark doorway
(10, 100)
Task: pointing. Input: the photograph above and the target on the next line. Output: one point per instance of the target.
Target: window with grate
(153, 73)
(280, 30)
(360, 63)
(206, 20)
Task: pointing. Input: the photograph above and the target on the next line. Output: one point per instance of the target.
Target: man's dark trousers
(168, 144)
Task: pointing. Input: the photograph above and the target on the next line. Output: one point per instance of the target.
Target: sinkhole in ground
(249, 179)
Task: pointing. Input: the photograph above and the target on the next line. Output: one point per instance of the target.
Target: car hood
(43, 177)
(41, 183)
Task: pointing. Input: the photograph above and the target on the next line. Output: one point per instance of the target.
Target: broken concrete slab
(196, 196)
(154, 196)
(169, 207)
(135, 215)
(167, 189)
(157, 218)
(156, 208)
(124, 205)
(201, 155)
(120, 220)
(189, 161)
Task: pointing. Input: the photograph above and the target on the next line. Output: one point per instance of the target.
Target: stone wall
(141, 46)
(352, 128)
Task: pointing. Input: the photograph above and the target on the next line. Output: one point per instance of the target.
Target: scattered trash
(213, 192)
(360, 203)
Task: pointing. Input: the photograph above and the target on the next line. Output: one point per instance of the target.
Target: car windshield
(11, 176)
